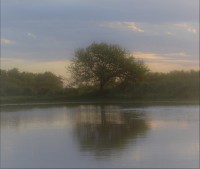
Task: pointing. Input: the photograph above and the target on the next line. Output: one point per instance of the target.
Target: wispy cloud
(166, 67)
(7, 41)
(169, 33)
(186, 26)
(146, 55)
(123, 26)
(31, 35)
(178, 54)
(165, 62)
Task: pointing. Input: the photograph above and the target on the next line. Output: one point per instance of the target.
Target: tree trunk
(101, 88)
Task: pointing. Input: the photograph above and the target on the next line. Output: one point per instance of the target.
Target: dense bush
(172, 85)
(15, 83)
(175, 85)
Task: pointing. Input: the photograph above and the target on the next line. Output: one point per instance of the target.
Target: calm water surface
(62, 136)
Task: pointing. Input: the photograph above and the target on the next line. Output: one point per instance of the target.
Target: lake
(100, 135)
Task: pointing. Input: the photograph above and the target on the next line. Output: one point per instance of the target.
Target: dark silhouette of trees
(175, 85)
(47, 83)
(16, 83)
(168, 86)
(103, 64)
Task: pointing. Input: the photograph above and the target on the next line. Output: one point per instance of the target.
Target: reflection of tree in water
(104, 131)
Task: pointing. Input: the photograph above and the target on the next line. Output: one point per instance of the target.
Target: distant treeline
(16, 83)
(175, 85)
(183, 85)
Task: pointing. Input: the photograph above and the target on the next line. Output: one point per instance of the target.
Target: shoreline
(23, 100)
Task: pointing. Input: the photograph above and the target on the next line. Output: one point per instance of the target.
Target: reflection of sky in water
(162, 136)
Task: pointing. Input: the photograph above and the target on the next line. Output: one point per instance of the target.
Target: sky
(42, 35)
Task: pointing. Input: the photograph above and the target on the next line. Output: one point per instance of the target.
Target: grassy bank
(85, 100)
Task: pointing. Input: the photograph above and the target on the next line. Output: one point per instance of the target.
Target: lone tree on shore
(102, 64)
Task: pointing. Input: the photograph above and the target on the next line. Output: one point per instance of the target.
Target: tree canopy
(102, 64)
(14, 82)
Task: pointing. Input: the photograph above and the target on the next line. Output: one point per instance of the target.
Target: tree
(47, 83)
(102, 64)
(13, 82)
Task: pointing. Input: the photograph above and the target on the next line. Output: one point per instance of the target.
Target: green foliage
(18, 83)
(47, 83)
(24, 86)
(173, 85)
(105, 65)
